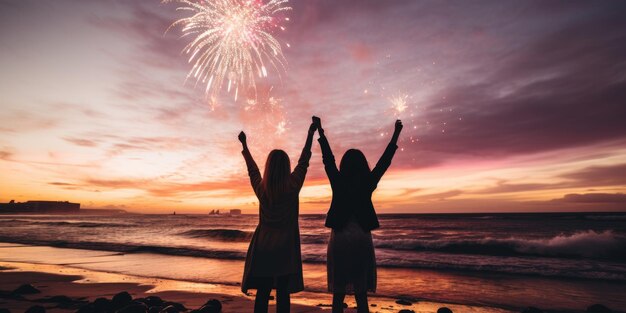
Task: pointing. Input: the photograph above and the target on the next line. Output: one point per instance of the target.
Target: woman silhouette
(351, 263)
(274, 260)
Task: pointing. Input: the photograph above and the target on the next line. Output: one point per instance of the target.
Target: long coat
(353, 198)
(275, 246)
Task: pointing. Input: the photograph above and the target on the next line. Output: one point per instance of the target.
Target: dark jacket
(350, 197)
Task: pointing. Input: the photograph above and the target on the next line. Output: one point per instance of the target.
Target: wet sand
(87, 285)
(84, 285)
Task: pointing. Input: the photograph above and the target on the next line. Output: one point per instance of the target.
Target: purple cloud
(595, 198)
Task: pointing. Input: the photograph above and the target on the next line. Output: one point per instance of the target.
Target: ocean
(458, 258)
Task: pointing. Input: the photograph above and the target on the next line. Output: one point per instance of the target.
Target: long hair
(354, 165)
(275, 180)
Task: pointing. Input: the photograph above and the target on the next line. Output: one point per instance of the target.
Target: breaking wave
(587, 244)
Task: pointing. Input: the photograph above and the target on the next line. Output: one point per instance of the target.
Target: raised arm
(385, 160)
(299, 172)
(253, 169)
(327, 154)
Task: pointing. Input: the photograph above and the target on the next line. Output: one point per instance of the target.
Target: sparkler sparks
(280, 128)
(232, 41)
(398, 103)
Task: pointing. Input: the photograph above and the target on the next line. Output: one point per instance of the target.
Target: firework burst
(232, 41)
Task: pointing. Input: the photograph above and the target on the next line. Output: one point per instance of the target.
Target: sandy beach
(84, 285)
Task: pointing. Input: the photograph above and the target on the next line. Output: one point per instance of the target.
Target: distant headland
(52, 207)
(39, 206)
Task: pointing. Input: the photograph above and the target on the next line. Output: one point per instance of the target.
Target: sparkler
(280, 128)
(398, 103)
(232, 41)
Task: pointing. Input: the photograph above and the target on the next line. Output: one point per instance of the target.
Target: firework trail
(266, 118)
(232, 41)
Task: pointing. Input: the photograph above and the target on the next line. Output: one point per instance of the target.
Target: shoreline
(121, 249)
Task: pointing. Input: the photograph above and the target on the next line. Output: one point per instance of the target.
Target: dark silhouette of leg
(262, 295)
(338, 302)
(261, 300)
(283, 300)
(361, 303)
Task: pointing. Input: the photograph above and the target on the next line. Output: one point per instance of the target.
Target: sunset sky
(512, 105)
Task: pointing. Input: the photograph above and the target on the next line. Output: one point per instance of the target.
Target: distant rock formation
(40, 207)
